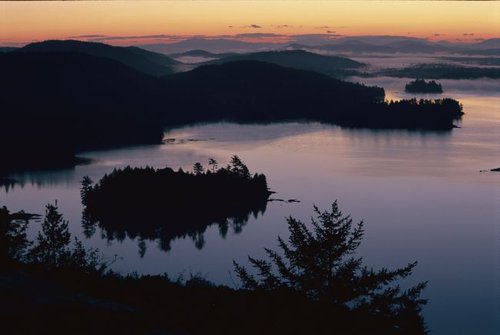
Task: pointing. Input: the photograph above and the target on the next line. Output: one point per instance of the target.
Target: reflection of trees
(165, 205)
(167, 228)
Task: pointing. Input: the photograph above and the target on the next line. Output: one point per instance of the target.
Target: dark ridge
(300, 59)
(148, 62)
(422, 86)
(7, 49)
(201, 53)
(442, 71)
(165, 204)
(54, 105)
(484, 52)
(488, 61)
(250, 91)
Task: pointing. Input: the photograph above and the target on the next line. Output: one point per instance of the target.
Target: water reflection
(61, 176)
(166, 229)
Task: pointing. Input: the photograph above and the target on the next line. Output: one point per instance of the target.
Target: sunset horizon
(143, 22)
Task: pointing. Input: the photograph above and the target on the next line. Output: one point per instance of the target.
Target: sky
(141, 22)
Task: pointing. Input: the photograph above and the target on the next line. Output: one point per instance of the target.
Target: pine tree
(320, 264)
(198, 168)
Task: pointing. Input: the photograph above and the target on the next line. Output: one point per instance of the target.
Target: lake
(421, 194)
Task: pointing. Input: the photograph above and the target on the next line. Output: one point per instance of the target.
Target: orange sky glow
(24, 22)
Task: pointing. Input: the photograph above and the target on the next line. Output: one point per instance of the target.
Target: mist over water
(420, 193)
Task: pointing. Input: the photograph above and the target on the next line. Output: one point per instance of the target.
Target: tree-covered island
(165, 204)
(422, 86)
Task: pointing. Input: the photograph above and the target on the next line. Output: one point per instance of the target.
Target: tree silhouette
(13, 238)
(213, 163)
(53, 249)
(198, 168)
(53, 240)
(320, 265)
(86, 187)
(239, 168)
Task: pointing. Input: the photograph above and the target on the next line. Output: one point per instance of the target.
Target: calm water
(421, 195)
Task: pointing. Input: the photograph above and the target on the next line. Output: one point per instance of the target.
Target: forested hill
(257, 91)
(56, 104)
(145, 61)
(299, 59)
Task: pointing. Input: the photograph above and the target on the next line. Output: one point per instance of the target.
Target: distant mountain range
(393, 45)
(355, 44)
(202, 54)
(219, 45)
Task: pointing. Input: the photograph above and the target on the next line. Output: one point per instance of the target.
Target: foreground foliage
(59, 288)
(321, 266)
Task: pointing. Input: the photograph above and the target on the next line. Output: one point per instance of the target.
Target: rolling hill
(148, 62)
(299, 59)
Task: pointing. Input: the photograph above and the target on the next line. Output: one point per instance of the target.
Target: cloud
(468, 34)
(86, 36)
(322, 27)
(252, 26)
(133, 37)
(258, 35)
(107, 38)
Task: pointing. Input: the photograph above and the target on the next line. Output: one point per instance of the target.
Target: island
(422, 86)
(163, 204)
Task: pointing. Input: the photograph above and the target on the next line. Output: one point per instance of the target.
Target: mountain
(252, 91)
(148, 62)
(202, 54)
(378, 39)
(300, 59)
(376, 44)
(356, 47)
(55, 104)
(216, 45)
(195, 53)
(492, 43)
(442, 71)
(7, 49)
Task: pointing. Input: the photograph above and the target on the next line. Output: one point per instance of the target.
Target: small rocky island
(165, 204)
(422, 86)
